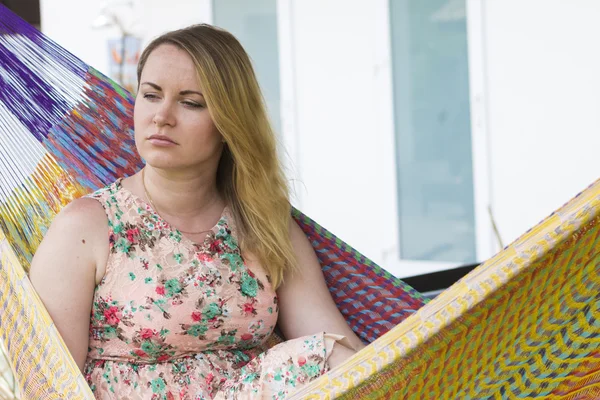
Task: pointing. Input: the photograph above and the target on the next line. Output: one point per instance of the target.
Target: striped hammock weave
(525, 324)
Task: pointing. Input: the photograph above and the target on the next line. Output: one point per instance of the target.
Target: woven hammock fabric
(66, 130)
(525, 324)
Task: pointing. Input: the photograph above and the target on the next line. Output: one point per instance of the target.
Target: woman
(167, 284)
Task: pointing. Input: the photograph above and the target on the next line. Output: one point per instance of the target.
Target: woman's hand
(339, 354)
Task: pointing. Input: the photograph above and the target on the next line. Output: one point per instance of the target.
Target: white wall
(345, 151)
(160, 16)
(544, 105)
(69, 23)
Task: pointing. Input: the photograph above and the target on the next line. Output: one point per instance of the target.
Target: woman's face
(173, 128)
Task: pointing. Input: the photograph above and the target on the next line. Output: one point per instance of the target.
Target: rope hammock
(524, 324)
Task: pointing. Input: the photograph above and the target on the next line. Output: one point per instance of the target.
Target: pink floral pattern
(173, 319)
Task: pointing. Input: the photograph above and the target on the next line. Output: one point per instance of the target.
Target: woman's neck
(181, 196)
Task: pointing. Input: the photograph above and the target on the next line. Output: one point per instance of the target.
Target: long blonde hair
(249, 175)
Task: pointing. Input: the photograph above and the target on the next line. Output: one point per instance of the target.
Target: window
(433, 130)
(254, 23)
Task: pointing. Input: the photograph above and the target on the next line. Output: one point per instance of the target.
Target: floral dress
(174, 319)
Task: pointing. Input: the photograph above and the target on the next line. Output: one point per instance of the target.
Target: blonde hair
(249, 175)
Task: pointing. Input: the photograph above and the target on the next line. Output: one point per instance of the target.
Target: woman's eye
(192, 104)
(150, 96)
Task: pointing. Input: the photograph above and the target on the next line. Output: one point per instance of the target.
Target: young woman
(167, 284)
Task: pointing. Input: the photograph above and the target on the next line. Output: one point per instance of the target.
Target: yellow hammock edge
(42, 363)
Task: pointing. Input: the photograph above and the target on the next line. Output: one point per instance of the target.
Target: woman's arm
(64, 273)
(306, 307)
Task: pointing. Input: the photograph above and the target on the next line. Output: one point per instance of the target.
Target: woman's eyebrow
(186, 92)
(182, 93)
(153, 85)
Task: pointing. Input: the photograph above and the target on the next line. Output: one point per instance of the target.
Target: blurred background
(408, 127)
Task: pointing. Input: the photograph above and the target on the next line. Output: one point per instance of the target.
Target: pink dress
(173, 319)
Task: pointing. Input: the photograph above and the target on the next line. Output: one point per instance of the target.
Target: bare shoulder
(302, 247)
(83, 215)
(308, 269)
(82, 210)
(297, 235)
(81, 228)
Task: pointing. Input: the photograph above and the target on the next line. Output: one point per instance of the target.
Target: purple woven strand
(26, 95)
(10, 23)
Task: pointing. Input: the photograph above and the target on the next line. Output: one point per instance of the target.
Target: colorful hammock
(525, 324)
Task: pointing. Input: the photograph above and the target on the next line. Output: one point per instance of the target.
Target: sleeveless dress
(174, 319)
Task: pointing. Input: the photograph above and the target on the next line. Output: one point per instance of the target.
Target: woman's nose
(164, 115)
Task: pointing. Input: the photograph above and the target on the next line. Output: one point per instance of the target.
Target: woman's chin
(170, 160)
(161, 161)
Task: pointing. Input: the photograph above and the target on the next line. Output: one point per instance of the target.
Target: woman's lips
(162, 141)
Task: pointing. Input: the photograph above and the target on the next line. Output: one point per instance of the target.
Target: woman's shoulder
(84, 220)
(87, 213)
(111, 197)
(84, 213)
(89, 208)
